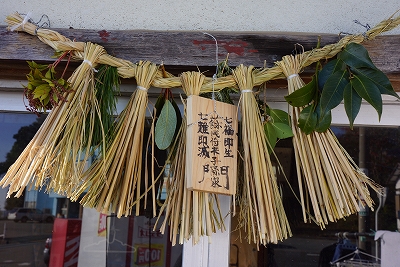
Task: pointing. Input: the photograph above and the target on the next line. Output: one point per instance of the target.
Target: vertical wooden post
(363, 215)
(214, 253)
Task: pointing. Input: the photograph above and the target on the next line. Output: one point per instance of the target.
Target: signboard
(211, 149)
(149, 246)
(146, 255)
(102, 227)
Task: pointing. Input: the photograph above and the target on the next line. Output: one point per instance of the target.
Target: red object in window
(65, 243)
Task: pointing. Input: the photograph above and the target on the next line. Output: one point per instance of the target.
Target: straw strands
(261, 204)
(57, 154)
(113, 180)
(188, 213)
(335, 185)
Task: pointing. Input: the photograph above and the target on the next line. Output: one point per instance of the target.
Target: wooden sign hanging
(211, 148)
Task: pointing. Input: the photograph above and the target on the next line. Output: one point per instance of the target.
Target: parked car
(29, 214)
(46, 251)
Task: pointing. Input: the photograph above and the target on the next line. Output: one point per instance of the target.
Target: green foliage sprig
(107, 86)
(44, 91)
(350, 77)
(276, 124)
(223, 95)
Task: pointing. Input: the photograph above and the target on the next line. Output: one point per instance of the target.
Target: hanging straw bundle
(261, 208)
(188, 213)
(113, 181)
(335, 185)
(57, 154)
(75, 147)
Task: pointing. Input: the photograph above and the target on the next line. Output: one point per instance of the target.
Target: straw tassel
(188, 212)
(334, 183)
(56, 155)
(261, 204)
(116, 187)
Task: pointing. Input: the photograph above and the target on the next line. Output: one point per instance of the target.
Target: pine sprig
(106, 88)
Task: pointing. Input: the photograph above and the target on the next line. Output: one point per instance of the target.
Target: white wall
(211, 15)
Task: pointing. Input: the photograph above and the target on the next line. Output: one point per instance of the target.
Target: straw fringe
(261, 203)
(47, 161)
(335, 185)
(189, 213)
(113, 181)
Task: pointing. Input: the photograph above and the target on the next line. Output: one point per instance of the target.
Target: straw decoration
(335, 185)
(116, 187)
(57, 154)
(75, 146)
(188, 213)
(261, 203)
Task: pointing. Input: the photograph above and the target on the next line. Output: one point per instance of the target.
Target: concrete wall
(209, 15)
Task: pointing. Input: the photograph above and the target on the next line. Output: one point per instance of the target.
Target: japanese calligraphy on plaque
(211, 154)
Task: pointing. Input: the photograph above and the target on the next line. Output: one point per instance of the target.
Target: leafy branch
(44, 91)
(351, 77)
(276, 126)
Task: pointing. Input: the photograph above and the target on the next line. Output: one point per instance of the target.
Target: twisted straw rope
(126, 69)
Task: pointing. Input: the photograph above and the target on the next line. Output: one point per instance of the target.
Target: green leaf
(36, 83)
(369, 91)
(50, 82)
(30, 77)
(271, 135)
(29, 86)
(165, 126)
(356, 56)
(352, 103)
(42, 91)
(159, 104)
(37, 75)
(324, 122)
(332, 92)
(308, 119)
(61, 81)
(282, 130)
(279, 115)
(304, 95)
(379, 78)
(178, 116)
(48, 75)
(34, 65)
(45, 101)
(331, 67)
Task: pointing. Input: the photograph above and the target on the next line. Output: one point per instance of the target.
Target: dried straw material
(57, 154)
(261, 208)
(188, 213)
(61, 43)
(75, 146)
(113, 181)
(333, 183)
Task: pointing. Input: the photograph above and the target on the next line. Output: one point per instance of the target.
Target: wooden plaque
(211, 153)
